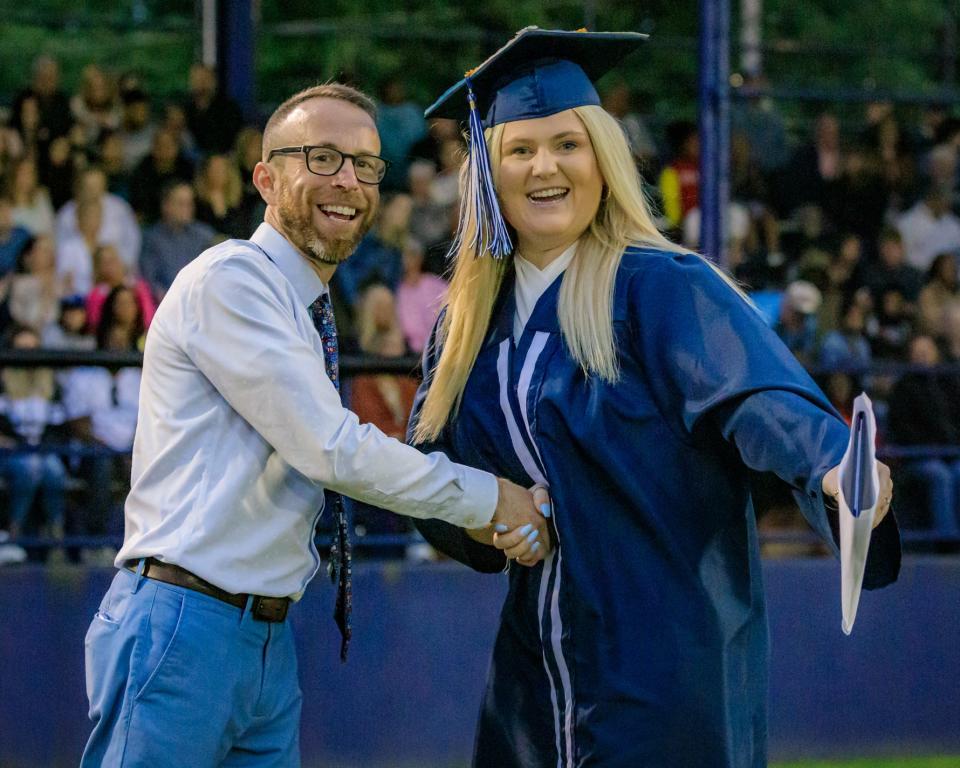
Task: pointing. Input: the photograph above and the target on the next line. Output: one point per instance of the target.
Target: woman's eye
(569, 146)
(519, 151)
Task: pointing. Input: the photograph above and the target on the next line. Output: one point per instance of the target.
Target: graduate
(582, 351)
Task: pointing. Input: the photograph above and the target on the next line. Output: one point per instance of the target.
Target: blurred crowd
(847, 240)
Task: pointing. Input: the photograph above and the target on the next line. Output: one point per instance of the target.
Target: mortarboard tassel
(480, 196)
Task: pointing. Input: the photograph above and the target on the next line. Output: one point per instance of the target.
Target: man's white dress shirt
(240, 430)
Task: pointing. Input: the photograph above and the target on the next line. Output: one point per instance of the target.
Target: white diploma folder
(859, 495)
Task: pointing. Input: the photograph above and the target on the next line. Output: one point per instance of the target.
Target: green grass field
(877, 762)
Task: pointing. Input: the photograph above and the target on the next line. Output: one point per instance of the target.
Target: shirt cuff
(479, 502)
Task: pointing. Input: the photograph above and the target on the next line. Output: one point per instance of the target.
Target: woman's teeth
(548, 195)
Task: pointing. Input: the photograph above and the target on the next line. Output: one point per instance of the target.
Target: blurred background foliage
(863, 46)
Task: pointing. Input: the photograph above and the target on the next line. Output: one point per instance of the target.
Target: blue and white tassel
(490, 233)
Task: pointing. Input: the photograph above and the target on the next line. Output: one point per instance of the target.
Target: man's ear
(263, 180)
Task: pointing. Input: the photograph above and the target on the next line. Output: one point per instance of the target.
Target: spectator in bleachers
(446, 187)
(419, 297)
(119, 225)
(929, 228)
(941, 164)
(175, 121)
(29, 417)
(110, 158)
(213, 118)
(101, 408)
(619, 102)
(219, 194)
(891, 270)
(950, 339)
(940, 289)
(377, 258)
(58, 172)
(860, 196)
(897, 165)
(843, 277)
(13, 238)
(36, 289)
(95, 106)
(111, 273)
(814, 170)
(894, 325)
(75, 252)
(925, 410)
(384, 400)
(72, 331)
(439, 130)
(401, 125)
(11, 149)
(839, 390)
(847, 346)
(797, 323)
(428, 218)
(680, 181)
(32, 208)
(49, 115)
(247, 154)
(136, 128)
(174, 241)
(757, 119)
(165, 164)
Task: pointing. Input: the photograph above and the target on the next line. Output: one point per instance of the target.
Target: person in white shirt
(119, 222)
(240, 430)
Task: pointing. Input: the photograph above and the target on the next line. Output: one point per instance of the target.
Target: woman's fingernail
(535, 547)
(526, 529)
(501, 528)
(533, 535)
(545, 509)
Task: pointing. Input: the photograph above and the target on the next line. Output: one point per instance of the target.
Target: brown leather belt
(273, 609)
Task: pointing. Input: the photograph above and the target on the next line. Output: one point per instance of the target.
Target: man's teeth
(543, 193)
(343, 210)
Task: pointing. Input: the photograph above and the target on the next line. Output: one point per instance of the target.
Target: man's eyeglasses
(327, 161)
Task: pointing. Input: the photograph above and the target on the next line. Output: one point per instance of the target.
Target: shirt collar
(291, 263)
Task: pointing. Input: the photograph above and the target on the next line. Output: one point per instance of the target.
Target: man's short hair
(172, 186)
(325, 91)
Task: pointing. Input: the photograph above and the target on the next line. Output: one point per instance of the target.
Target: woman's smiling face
(550, 184)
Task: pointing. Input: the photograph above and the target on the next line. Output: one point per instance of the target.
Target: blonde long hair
(586, 293)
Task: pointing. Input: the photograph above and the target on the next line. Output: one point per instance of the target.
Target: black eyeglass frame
(344, 156)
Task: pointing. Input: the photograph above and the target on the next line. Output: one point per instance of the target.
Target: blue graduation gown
(642, 639)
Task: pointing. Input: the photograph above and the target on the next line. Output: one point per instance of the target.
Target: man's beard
(298, 227)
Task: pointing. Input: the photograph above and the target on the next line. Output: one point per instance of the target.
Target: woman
(32, 208)
(110, 272)
(220, 195)
(642, 388)
(940, 289)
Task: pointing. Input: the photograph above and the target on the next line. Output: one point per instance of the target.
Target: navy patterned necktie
(340, 568)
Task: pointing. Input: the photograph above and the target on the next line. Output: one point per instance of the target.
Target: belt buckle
(270, 609)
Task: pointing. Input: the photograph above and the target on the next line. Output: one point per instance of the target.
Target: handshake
(519, 524)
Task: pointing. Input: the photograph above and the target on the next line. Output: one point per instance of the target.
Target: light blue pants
(176, 678)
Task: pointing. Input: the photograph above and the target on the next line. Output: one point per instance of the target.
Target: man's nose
(346, 177)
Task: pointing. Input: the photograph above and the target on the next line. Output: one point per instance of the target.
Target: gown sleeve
(712, 363)
(449, 539)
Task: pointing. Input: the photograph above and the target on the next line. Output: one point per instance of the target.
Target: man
(213, 118)
(164, 165)
(119, 224)
(174, 241)
(190, 660)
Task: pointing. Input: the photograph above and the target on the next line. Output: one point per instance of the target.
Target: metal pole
(237, 41)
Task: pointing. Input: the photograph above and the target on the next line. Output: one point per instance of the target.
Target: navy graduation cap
(539, 73)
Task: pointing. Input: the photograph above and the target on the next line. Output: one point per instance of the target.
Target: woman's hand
(528, 545)
(831, 487)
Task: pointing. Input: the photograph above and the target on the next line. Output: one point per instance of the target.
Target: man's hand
(831, 487)
(529, 542)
